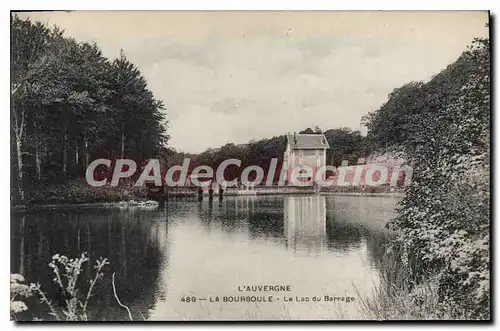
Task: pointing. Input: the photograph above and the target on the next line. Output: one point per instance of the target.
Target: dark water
(319, 245)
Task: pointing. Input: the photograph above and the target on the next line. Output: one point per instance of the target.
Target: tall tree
(70, 104)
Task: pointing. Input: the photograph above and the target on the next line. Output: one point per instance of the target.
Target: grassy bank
(398, 296)
(77, 192)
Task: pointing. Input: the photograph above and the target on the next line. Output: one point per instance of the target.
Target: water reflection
(315, 243)
(305, 223)
(130, 240)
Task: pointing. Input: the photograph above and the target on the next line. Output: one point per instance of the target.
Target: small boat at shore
(149, 204)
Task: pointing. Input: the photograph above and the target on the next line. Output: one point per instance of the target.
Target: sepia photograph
(250, 166)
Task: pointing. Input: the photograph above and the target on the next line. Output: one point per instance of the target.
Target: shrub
(66, 273)
(444, 218)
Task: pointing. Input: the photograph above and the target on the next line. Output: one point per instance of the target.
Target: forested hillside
(345, 144)
(443, 129)
(70, 105)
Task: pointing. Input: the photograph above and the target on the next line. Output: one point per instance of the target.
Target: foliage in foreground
(443, 129)
(396, 297)
(66, 273)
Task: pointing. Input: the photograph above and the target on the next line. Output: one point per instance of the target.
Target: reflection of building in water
(244, 206)
(305, 223)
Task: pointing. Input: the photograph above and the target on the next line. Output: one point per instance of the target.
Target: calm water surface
(319, 245)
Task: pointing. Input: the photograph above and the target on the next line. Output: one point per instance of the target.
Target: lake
(173, 263)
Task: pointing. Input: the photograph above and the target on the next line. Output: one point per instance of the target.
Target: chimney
(295, 138)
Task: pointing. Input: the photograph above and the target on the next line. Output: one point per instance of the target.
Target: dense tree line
(259, 153)
(443, 129)
(70, 105)
(345, 144)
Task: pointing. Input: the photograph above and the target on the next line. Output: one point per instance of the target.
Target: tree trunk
(123, 144)
(22, 252)
(38, 163)
(87, 156)
(37, 153)
(65, 154)
(19, 167)
(18, 131)
(77, 161)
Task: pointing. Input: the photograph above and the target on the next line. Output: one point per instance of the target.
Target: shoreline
(115, 204)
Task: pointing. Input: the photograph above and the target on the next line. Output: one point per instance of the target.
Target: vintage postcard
(250, 165)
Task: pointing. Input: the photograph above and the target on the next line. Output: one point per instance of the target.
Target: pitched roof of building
(307, 141)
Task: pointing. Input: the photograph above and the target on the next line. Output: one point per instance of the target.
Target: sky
(228, 76)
